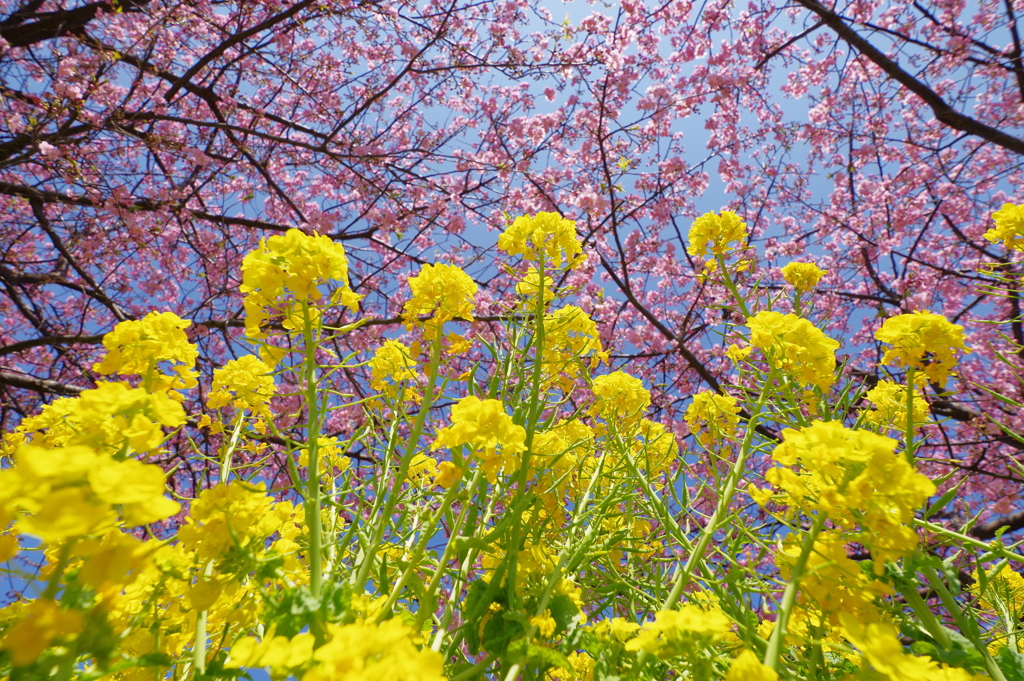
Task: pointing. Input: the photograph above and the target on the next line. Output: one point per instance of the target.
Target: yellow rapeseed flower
(713, 233)
(925, 341)
(545, 624)
(287, 270)
(330, 455)
(676, 631)
(832, 582)
(246, 383)
(712, 417)
(41, 622)
(444, 290)
(615, 629)
(890, 400)
(880, 647)
(569, 332)
(488, 431)
(392, 363)
(748, 667)
(1009, 227)
(856, 478)
(447, 474)
(800, 348)
(235, 514)
(531, 285)
(421, 469)
(620, 398)
(803, 276)
(137, 347)
(365, 650)
(280, 653)
(106, 417)
(546, 238)
(1004, 589)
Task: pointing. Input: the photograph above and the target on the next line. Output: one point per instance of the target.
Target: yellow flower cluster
(364, 651)
(615, 629)
(66, 492)
(620, 398)
(488, 432)
(712, 418)
(287, 270)
(747, 667)
(531, 286)
(570, 333)
(138, 348)
(108, 417)
(890, 400)
(422, 468)
(560, 453)
(654, 448)
(855, 477)
(72, 475)
(1004, 591)
(634, 537)
(545, 624)
(581, 668)
(674, 632)
(924, 341)
(714, 233)
(281, 654)
(795, 346)
(546, 238)
(41, 623)
(1009, 227)
(236, 516)
(832, 583)
(444, 290)
(803, 276)
(392, 363)
(331, 457)
(881, 649)
(245, 383)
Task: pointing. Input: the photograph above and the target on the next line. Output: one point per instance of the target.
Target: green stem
(909, 447)
(996, 548)
(771, 657)
(426, 534)
(199, 649)
(403, 466)
(533, 415)
(225, 464)
(685, 575)
(968, 628)
(312, 505)
(928, 619)
(53, 583)
(731, 285)
(435, 581)
(475, 670)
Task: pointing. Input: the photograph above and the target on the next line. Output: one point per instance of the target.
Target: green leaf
(538, 655)
(499, 631)
(1011, 663)
(462, 668)
(943, 500)
(477, 601)
(562, 610)
(962, 653)
(147, 660)
(462, 543)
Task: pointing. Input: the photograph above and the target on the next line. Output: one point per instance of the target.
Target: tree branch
(943, 111)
